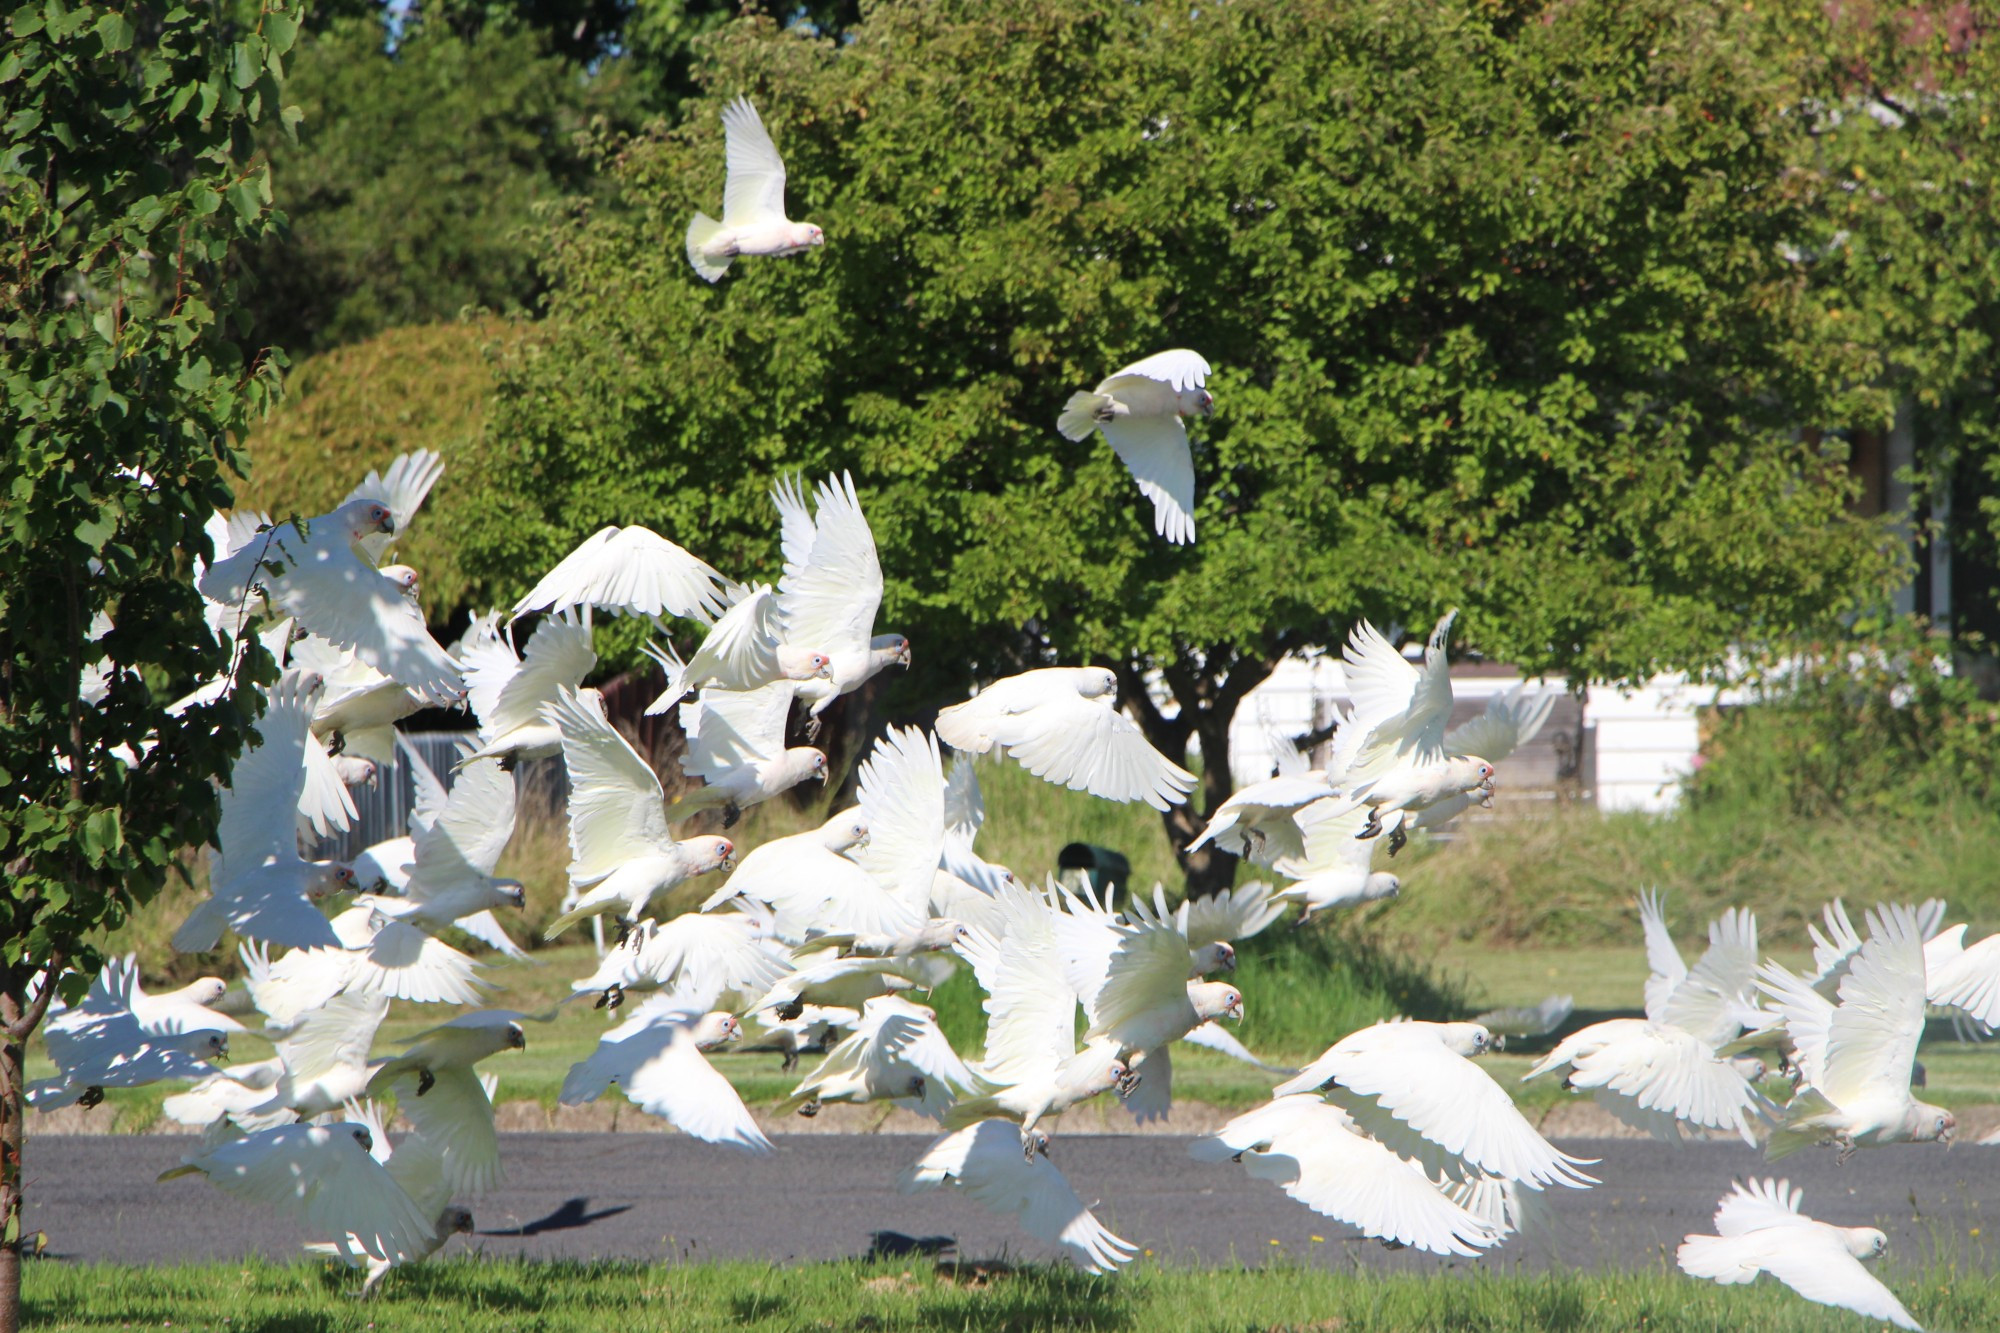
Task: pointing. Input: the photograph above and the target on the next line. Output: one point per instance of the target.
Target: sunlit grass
(1288, 1293)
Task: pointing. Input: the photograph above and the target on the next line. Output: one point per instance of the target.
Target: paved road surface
(655, 1197)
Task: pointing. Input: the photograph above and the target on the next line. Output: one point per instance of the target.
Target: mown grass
(1284, 1295)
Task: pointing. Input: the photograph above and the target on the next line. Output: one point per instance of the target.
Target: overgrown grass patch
(476, 1295)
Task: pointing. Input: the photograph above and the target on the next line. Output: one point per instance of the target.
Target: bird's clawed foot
(1397, 839)
(730, 814)
(1847, 1149)
(508, 761)
(426, 1080)
(92, 1096)
(625, 927)
(810, 1109)
(1372, 829)
(791, 1010)
(790, 1062)
(336, 742)
(812, 728)
(614, 995)
(1128, 1082)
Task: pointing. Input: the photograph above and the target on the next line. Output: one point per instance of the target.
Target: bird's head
(716, 1029)
(820, 665)
(1215, 999)
(1097, 682)
(517, 1040)
(817, 765)
(338, 877)
(207, 990)
(1220, 955)
(455, 1221)
(363, 517)
(1467, 1039)
(917, 1086)
(512, 892)
(1381, 885)
(404, 577)
(713, 854)
(1866, 1242)
(1934, 1124)
(362, 1137)
(812, 235)
(1206, 403)
(211, 1045)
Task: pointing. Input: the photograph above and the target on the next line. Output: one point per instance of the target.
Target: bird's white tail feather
(700, 232)
(1079, 415)
(671, 663)
(1715, 1258)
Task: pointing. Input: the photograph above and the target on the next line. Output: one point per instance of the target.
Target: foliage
(412, 184)
(1873, 725)
(1498, 311)
(125, 176)
(1907, 183)
(1307, 1281)
(356, 407)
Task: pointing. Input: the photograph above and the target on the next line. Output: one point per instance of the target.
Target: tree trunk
(1208, 695)
(12, 1110)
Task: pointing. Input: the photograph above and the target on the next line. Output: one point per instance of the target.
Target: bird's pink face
(1232, 1006)
(903, 652)
(370, 516)
(821, 664)
(811, 235)
(819, 766)
(1207, 405)
(718, 854)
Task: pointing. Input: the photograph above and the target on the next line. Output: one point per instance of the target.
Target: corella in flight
(753, 202)
(1139, 409)
(1762, 1231)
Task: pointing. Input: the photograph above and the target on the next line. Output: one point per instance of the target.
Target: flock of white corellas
(815, 943)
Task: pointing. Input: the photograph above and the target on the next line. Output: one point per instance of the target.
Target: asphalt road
(662, 1197)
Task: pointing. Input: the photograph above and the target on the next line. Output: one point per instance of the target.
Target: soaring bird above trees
(1139, 409)
(753, 202)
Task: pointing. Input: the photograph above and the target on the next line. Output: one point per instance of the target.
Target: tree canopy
(126, 174)
(1498, 299)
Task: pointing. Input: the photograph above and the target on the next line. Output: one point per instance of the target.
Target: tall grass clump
(1863, 769)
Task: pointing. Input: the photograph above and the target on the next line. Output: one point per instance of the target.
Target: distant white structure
(1630, 748)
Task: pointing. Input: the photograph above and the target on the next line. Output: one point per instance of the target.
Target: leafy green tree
(1907, 184)
(126, 173)
(1496, 296)
(412, 184)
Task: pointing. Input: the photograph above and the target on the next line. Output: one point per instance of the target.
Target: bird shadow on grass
(570, 1215)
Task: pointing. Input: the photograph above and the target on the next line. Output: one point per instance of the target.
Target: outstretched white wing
(1178, 368)
(829, 600)
(351, 605)
(754, 193)
(260, 804)
(634, 570)
(1872, 1037)
(616, 807)
(560, 654)
(730, 729)
(902, 796)
(1510, 721)
(1668, 969)
(1314, 1153)
(1088, 745)
(1154, 449)
(985, 1161)
(1030, 1007)
(403, 488)
(325, 1177)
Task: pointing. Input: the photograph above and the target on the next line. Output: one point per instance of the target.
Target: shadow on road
(572, 1214)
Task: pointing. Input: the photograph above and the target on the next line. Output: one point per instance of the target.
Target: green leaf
(103, 833)
(94, 532)
(280, 30)
(291, 116)
(248, 58)
(114, 31)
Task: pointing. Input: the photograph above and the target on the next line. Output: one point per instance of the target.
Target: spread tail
(1079, 415)
(700, 232)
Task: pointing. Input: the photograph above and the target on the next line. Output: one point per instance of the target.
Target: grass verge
(472, 1295)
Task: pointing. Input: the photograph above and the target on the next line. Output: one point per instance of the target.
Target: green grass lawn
(1279, 1297)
